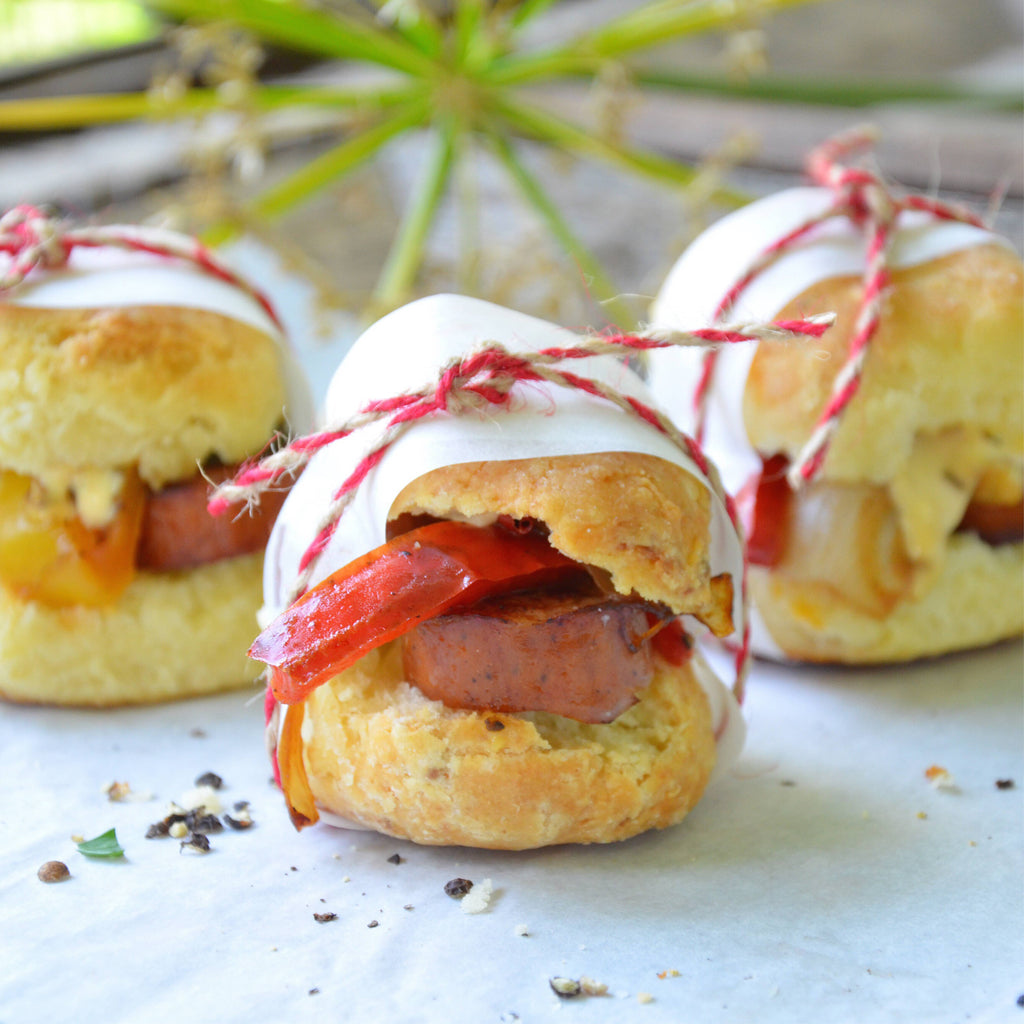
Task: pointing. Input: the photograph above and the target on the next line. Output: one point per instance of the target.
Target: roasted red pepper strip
(673, 643)
(773, 502)
(386, 592)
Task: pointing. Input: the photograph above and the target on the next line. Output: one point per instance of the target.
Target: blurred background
(742, 102)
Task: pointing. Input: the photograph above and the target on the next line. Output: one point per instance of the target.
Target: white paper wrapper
(116, 278)
(720, 257)
(404, 351)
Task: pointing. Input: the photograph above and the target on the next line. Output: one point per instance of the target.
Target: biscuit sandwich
(134, 370)
(890, 530)
(493, 647)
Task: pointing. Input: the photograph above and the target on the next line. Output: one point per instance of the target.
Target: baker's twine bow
(484, 380)
(34, 240)
(864, 199)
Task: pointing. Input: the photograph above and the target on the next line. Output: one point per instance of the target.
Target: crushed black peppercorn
(1005, 783)
(203, 824)
(457, 887)
(211, 779)
(196, 842)
(396, 859)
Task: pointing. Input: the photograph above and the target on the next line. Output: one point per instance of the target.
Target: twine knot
(862, 197)
(31, 239)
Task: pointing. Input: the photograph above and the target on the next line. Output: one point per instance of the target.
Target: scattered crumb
(572, 988)
(53, 871)
(374, 924)
(211, 779)
(478, 898)
(972, 843)
(644, 997)
(408, 906)
(396, 858)
(76, 838)
(1005, 783)
(197, 734)
(521, 929)
(457, 887)
(668, 974)
(201, 796)
(336, 856)
(314, 991)
(122, 792)
(565, 988)
(325, 917)
(346, 879)
(940, 778)
(922, 815)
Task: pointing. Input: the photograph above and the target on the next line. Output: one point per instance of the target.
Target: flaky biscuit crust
(644, 520)
(170, 635)
(380, 754)
(947, 353)
(159, 387)
(978, 599)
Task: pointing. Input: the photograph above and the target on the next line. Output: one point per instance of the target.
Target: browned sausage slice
(178, 532)
(572, 655)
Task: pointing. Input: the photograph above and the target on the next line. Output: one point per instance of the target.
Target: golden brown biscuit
(170, 635)
(935, 428)
(378, 753)
(160, 388)
(641, 519)
(103, 411)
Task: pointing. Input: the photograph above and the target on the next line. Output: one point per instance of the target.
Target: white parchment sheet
(822, 879)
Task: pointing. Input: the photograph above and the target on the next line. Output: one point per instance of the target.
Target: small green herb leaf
(105, 845)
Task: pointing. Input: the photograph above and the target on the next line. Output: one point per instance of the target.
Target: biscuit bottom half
(977, 599)
(380, 754)
(169, 635)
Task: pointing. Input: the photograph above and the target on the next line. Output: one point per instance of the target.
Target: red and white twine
(32, 239)
(866, 201)
(484, 379)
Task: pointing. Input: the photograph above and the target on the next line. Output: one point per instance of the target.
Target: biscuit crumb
(644, 997)
(478, 898)
(940, 778)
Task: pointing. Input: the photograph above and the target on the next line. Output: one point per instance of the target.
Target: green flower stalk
(468, 77)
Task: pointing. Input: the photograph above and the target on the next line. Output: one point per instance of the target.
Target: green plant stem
(648, 26)
(52, 113)
(329, 35)
(331, 166)
(546, 127)
(423, 31)
(834, 92)
(597, 281)
(529, 9)
(406, 255)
